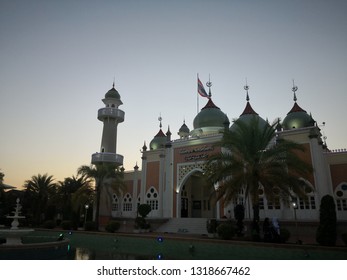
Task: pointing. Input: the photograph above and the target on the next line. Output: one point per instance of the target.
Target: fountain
(14, 235)
(13, 248)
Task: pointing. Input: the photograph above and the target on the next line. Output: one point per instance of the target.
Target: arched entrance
(195, 197)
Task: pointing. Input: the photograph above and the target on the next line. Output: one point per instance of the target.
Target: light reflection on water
(88, 254)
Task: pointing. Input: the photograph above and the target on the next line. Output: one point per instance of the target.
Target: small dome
(112, 93)
(158, 141)
(184, 128)
(248, 114)
(297, 118)
(210, 116)
(184, 131)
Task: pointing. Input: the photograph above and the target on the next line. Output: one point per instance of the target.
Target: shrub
(284, 235)
(211, 225)
(226, 231)
(140, 223)
(112, 226)
(326, 232)
(50, 224)
(144, 210)
(90, 226)
(66, 225)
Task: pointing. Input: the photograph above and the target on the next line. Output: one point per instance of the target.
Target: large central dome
(210, 116)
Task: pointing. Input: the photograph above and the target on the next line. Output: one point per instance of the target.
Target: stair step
(184, 225)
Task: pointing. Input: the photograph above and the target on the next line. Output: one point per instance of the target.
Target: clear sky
(59, 58)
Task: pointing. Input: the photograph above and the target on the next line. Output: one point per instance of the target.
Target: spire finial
(209, 85)
(160, 119)
(294, 89)
(114, 81)
(246, 87)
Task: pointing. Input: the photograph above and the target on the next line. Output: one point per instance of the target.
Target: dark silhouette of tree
(253, 156)
(39, 191)
(326, 232)
(105, 176)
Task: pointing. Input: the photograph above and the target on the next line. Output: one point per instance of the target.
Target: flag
(201, 89)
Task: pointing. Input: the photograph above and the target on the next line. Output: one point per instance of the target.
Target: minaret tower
(111, 116)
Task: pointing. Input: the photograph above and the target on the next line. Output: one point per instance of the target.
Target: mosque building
(171, 177)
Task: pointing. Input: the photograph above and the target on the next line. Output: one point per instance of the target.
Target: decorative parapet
(110, 112)
(337, 151)
(108, 158)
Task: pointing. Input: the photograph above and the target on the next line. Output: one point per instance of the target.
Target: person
(267, 230)
(276, 229)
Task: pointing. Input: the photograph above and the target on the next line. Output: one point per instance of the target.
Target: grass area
(152, 246)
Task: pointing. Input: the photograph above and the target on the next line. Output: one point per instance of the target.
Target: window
(127, 207)
(238, 200)
(341, 204)
(153, 203)
(127, 203)
(341, 196)
(261, 203)
(312, 202)
(308, 203)
(274, 203)
(115, 203)
(152, 198)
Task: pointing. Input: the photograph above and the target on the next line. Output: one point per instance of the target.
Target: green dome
(297, 118)
(112, 93)
(158, 141)
(247, 115)
(210, 116)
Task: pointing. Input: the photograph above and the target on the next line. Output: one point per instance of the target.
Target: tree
(69, 204)
(106, 176)
(39, 190)
(2, 175)
(253, 157)
(2, 192)
(239, 214)
(326, 232)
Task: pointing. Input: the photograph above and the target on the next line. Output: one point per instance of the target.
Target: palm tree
(66, 192)
(253, 157)
(40, 188)
(2, 196)
(105, 176)
(2, 192)
(2, 175)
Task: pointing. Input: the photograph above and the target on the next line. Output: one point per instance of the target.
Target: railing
(107, 157)
(111, 112)
(337, 151)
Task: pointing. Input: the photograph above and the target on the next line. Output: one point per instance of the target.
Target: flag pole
(197, 94)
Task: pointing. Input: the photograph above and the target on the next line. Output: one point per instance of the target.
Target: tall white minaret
(111, 116)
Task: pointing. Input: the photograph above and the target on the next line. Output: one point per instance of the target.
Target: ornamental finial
(209, 85)
(294, 89)
(246, 87)
(160, 119)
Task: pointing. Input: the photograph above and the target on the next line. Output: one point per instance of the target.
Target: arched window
(152, 198)
(309, 202)
(341, 196)
(127, 203)
(115, 202)
(274, 201)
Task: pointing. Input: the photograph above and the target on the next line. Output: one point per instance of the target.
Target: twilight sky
(59, 58)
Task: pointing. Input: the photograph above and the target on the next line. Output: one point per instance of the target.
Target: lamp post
(295, 206)
(86, 206)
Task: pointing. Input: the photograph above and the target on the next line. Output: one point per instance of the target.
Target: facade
(171, 176)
